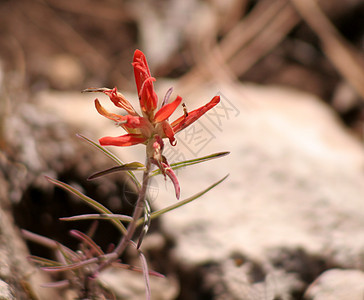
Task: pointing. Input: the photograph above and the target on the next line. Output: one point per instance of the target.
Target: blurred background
(67, 45)
(314, 46)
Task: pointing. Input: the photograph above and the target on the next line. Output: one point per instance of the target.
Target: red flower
(153, 125)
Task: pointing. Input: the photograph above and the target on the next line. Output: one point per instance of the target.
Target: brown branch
(347, 60)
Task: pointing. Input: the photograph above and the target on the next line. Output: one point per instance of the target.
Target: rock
(5, 291)
(296, 176)
(23, 281)
(336, 284)
(34, 144)
(291, 204)
(296, 185)
(20, 167)
(129, 285)
(64, 72)
(247, 280)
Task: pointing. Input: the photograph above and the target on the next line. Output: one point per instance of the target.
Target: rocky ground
(287, 221)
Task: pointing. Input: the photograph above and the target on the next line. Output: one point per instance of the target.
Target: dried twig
(249, 41)
(344, 56)
(265, 41)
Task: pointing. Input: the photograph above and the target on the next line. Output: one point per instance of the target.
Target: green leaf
(102, 149)
(136, 269)
(44, 262)
(110, 155)
(162, 211)
(124, 218)
(56, 284)
(71, 266)
(134, 166)
(68, 255)
(191, 162)
(146, 224)
(91, 202)
(87, 240)
(44, 241)
(146, 274)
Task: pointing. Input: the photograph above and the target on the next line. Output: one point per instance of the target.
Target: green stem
(138, 211)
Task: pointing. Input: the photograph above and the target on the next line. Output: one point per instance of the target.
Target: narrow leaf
(56, 284)
(73, 266)
(191, 162)
(102, 149)
(39, 239)
(94, 204)
(124, 218)
(43, 261)
(158, 213)
(134, 166)
(110, 155)
(148, 293)
(87, 240)
(44, 241)
(68, 255)
(147, 220)
(136, 269)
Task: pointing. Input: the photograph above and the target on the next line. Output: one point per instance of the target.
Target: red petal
(169, 133)
(148, 98)
(127, 121)
(184, 121)
(117, 98)
(105, 113)
(169, 172)
(144, 83)
(120, 101)
(141, 69)
(137, 122)
(124, 140)
(165, 111)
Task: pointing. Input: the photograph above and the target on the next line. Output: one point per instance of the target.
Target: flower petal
(144, 82)
(170, 173)
(141, 69)
(168, 132)
(148, 98)
(166, 110)
(189, 118)
(166, 96)
(161, 162)
(102, 111)
(120, 101)
(127, 122)
(117, 98)
(124, 140)
(154, 151)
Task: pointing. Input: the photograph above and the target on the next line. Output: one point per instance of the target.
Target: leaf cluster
(83, 265)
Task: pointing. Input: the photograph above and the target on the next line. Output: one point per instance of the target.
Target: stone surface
(23, 280)
(291, 204)
(296, 181)
(337, 284)
(5, 291)
(131, 285)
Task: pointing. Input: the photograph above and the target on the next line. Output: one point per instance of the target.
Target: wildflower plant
(150, 128)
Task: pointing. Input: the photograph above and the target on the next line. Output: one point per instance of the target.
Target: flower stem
(138, 210)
